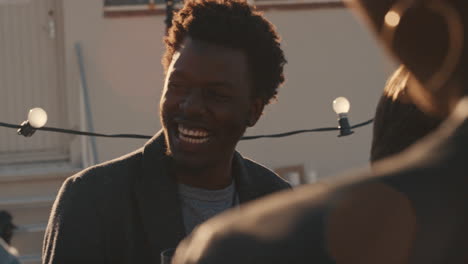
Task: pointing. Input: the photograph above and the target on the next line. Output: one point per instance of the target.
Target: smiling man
(207, 103)
(223, 64)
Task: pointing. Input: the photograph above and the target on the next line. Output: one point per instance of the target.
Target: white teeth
(188, 135)
(192, 132)
(193, 140)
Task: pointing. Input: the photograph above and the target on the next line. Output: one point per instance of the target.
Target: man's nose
(194, 103)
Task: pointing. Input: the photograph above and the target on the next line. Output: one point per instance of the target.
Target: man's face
(206, 104)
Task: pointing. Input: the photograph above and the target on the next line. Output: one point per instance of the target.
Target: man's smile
(193, 135)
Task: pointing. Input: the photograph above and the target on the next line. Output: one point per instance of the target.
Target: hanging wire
(137, 136)
(77, 132)
(323, 129)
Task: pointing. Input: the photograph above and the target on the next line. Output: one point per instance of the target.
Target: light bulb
(392, 19)
(341, 105)
(37, 117)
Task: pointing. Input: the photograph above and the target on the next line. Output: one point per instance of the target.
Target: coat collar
(157, 199)
(245, 182)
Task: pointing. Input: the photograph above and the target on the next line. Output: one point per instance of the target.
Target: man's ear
(256, 110)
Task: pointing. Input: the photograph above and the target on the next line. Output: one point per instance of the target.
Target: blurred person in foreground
(223, 64)
(398, 123)
(410, 208)
(8, 254)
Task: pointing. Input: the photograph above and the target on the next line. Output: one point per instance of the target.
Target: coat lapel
(245, 183)
(157, 199)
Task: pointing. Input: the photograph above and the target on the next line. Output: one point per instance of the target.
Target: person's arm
(74, 231)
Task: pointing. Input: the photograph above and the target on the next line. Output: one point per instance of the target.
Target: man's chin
(191, 164)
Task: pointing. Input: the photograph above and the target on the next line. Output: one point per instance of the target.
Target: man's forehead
(203, 46)
(215, 53)
(201, 58)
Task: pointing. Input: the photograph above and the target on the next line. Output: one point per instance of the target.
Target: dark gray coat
(412, 208)
(127, 210)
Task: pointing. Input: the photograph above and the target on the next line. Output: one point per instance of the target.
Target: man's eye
(219, 96)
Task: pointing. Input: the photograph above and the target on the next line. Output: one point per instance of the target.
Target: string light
(392, 19)
(37, 118)
(341, 107)
(138, 136)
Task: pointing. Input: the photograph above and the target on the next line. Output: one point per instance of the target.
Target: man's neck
(214, 177)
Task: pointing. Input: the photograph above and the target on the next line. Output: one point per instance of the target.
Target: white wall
(122, 59)
(329, 55)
